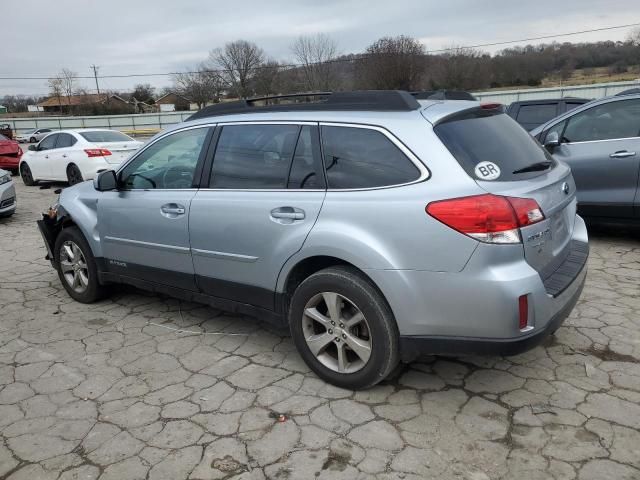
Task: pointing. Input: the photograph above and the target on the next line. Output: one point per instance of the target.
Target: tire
(378, 329)
(27, 177)
(88, 289)
(74, 175)
(32, 140)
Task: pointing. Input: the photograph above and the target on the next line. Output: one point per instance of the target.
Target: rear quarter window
(477, 136)
(105, 136)
(364, 158)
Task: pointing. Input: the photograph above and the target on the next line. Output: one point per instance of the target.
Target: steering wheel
(178, 176)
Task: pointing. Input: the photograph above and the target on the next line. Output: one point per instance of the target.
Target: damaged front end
(50, 226)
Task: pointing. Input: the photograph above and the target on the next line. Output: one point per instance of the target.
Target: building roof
(83, 99)
(171, 97)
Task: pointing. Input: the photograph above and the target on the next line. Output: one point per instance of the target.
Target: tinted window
(479, 136)
(610, 120)
(99, 136)
(304, 170)
(65, 140)
(537, 114)
(253, 156)
(363, 158)
(168, 163)
(571, 105)
(48, 142)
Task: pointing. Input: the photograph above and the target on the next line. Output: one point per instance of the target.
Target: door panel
(606, 185)
(141, 240)
(269, 189)
(240, 239)
(144, 226)
(41, 167)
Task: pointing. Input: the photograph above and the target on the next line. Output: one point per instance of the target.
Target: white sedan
(76, 155)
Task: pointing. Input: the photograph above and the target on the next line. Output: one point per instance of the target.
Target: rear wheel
(343, 328)
(27, 177)
(74, 175)
(77, 267)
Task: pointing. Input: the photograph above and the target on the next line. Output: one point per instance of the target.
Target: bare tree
(317, 54)
(55, 89)
(392, 63)
(634, 37)
(200, 85)
(266, 81)
(68, 83)
(238, 62)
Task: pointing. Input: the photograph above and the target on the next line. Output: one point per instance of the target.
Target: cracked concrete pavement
(143, 386)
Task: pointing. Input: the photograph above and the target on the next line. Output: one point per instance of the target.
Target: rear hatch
(505, 160)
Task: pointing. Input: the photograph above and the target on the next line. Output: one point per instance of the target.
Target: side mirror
(551, 141)
(33, 148)
(106, 181)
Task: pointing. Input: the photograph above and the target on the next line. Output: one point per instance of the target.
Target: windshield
(3, 138)
(493, 144)
(105, 136)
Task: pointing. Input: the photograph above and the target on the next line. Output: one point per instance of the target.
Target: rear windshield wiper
(535, 167)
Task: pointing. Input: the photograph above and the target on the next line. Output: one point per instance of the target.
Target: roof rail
(367, 100)
(630, 91)
(443, 95)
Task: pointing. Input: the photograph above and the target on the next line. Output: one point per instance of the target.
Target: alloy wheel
(337, 332)
(74, 266)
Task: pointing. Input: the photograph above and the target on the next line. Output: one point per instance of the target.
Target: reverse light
(97, 152)
(487, 218)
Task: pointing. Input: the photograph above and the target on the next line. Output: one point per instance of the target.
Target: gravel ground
(143, 386)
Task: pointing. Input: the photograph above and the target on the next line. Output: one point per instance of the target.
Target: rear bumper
(476, 310)
(412, 347)
(10, 163)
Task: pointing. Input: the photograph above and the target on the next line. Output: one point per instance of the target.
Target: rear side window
(254, 156)
(537, 114)
(478, 136)
(99, 136)
(305, 171)
(65, 140)
(363, 158)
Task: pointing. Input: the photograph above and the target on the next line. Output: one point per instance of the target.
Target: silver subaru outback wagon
(376, 226)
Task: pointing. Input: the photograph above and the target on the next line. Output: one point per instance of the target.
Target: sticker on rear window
(487, 171)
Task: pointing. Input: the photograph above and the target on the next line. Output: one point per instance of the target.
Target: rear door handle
(288, 213)
(622, 154)
(172, 210)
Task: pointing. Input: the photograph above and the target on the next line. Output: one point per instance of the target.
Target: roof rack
(368, 100)
(443, 95)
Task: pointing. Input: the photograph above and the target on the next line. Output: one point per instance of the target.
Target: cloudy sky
(152, 36)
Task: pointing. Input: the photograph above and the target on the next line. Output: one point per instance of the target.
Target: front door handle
(622, 154)
(287, 214)
(172, 210)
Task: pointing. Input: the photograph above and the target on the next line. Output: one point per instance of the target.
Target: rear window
(492, 146)
(537, 113)
(100, 136)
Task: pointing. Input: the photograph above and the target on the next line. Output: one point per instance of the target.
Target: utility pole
(95, 75)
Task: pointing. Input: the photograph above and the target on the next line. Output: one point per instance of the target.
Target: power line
(338, 60)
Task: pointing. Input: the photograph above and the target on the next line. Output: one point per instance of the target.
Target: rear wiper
(535, 167)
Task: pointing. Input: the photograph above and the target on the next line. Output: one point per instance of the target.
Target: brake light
(490, 105)
(487, 218)
(97, 152)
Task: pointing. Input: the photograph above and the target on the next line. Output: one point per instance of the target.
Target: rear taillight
(97, 152)
(488, 218)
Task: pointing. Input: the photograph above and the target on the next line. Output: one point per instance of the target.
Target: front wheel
(27, 176)
(32, 140)
(77, 267)
(343, 328)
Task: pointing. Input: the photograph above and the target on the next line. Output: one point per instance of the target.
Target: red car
(10, 153)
